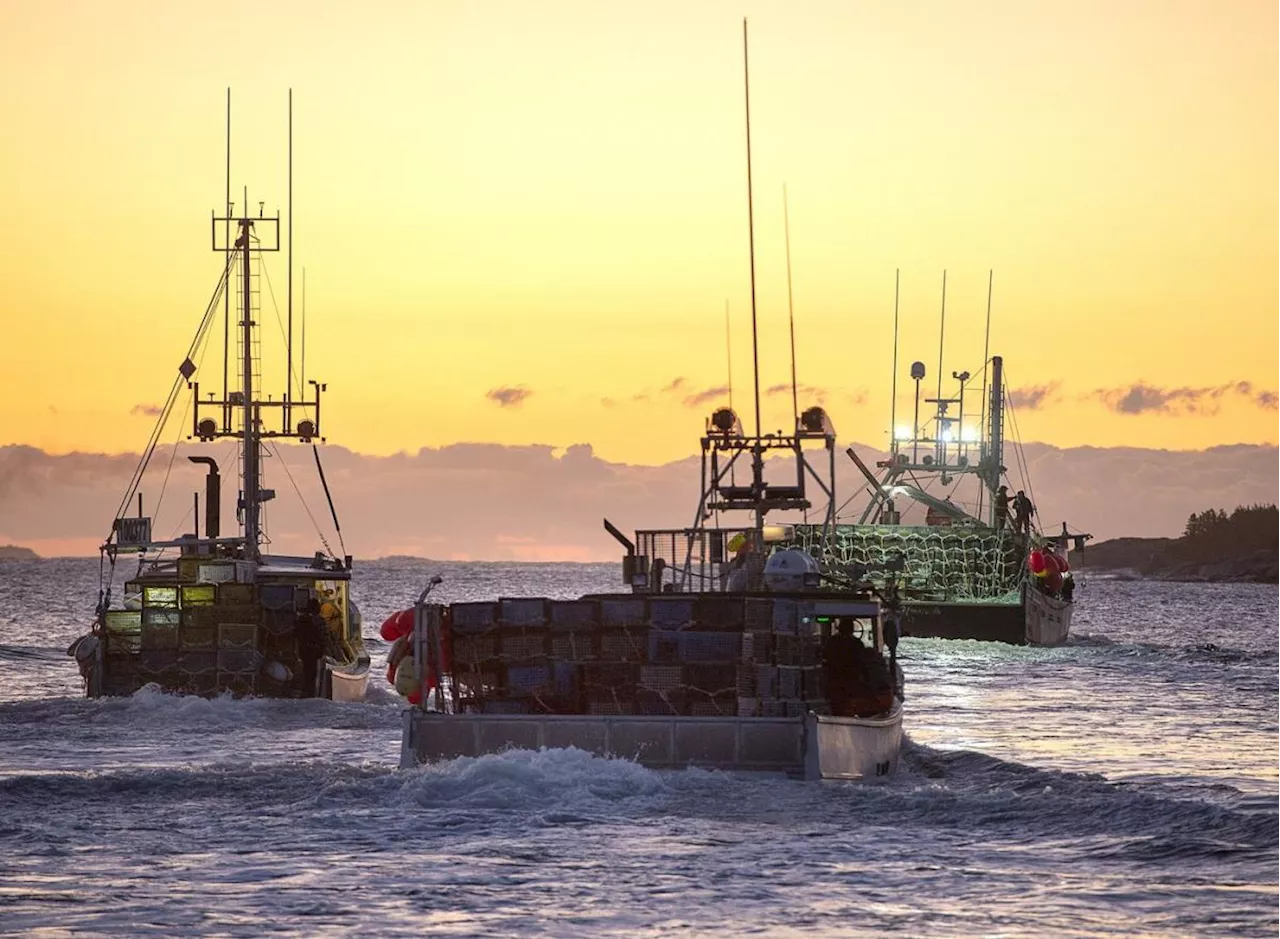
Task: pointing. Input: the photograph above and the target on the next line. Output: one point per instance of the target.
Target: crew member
(858, 680)
(1002, 507)
(1022, 512)
(309, 630)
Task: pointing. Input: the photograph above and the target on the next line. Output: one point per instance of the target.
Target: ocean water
(1122, 785)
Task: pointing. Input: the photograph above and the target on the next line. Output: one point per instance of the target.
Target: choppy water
(1124, 785)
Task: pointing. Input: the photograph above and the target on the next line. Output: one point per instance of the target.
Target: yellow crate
(198, 595)
(159, 596)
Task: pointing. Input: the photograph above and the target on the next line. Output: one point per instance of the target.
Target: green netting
(939, 562)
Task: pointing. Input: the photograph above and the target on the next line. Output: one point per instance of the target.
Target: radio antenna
(791, 310)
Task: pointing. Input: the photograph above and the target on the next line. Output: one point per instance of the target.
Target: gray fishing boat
(763, 663)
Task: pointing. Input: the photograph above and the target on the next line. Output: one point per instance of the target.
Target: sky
(523, 223)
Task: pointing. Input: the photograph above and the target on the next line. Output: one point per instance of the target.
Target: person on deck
(858, 680)
(1002, 501)
(309, 630)
(736, 576)
(1022, 512)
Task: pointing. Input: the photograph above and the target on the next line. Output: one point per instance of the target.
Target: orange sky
(551, 197)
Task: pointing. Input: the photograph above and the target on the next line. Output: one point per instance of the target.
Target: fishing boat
(731, 651)
(737, 681)
(208, 614)
(960, 563)
(970, 560)
(764, 665)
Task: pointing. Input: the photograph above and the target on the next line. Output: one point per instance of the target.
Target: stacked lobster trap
(202, 639)
(704, 656)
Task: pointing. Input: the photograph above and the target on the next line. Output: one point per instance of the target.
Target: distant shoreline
(12, 552)
(1149, 559)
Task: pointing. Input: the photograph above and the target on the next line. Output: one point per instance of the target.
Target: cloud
(1034, 397)
(1140, 398)
(801, 389)
(146, 410)
(699, 398)
(509, 396)
(494, 502)
(676, 385)
(608, 403)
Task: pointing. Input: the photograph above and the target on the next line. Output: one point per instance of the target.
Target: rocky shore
(1166, 559)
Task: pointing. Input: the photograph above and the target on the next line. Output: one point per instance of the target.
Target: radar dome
(786, 570)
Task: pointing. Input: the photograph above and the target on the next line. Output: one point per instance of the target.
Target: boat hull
(1039, 620)
(986, 622)
(1048, 619)
(810, 747)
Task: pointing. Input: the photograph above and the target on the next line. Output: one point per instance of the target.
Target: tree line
(1215, 533)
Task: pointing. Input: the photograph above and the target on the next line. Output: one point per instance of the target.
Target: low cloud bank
(487, 501)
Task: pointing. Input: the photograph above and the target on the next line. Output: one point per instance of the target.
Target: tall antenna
(986, 346)
(791, 310)
(942, 332)
(986, 358)
(303, 380)
(751, 232)
(728, 351)
(288, 378)
(226, 262)
(893, 392)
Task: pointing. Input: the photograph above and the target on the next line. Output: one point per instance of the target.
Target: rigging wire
(201, 331)
(298, 389)
(306, 508)
(280, 323)
(1017, 448)
(204, 348)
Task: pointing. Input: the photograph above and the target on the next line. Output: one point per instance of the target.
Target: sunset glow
(521, 223)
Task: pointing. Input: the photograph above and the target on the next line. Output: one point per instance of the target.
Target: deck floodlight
(206, 430)
(902, 433)
(917, 370)
(815, 420)
(725, 421)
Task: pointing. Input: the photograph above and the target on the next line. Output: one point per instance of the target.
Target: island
(11, 552)
(1240, 547)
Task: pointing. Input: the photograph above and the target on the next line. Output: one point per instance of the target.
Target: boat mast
(893, 392)
(249, 436)
(254, 236)
(986, 363)
(757, 453)
(995, 434)
(288, 374)
(791, 309)
(226, 263)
